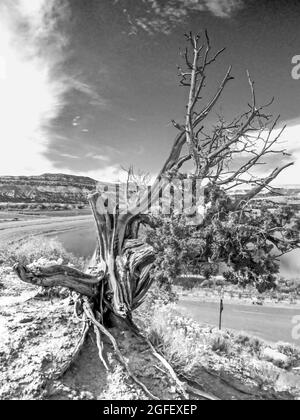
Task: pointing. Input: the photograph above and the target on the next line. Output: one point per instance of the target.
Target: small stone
(26, 320)
(274, 356)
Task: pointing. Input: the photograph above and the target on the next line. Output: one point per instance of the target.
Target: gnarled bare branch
(60, 276)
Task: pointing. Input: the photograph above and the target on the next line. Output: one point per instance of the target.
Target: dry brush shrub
(157, 298)
(292, 352)
(179, 339)
(38, 249)
(191, 347)
(119, 387)
(221, 344)
(37, 252)
(252, 345)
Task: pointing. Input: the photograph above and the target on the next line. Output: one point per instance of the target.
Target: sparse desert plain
(16, 227)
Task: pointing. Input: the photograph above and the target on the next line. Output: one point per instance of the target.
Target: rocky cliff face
(48, 188)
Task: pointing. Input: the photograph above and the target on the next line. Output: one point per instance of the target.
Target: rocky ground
(38, 334)
(37, 338)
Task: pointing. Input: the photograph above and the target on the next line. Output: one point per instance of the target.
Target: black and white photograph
(149, 203)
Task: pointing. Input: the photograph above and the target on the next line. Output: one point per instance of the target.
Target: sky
(89, 87)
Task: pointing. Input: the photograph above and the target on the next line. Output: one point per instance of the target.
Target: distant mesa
(47, 188)
(74, 190)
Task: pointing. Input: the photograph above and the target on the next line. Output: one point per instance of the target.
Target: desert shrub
(191, 347)
(80, 206)
(220, 281)
(207, 284)
(38, 248)
(120, 388)
(185, 343)
(255, 345)
(291, 352)
(252, 345)
(22, 206)
(280, 297)
(176, 336)
(188, 282)
(157, 297)
(242, 339)
(221, 344)
(264, 373)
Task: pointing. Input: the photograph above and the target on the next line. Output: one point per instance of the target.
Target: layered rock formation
(47, 188)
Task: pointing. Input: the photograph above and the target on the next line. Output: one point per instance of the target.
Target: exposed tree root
(183, 386)
(83, 310)
(198, 391)
(201, 394)
(100, 347)
(241, 389)
(90, 315)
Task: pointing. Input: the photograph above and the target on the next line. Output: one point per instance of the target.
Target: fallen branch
(59, 276)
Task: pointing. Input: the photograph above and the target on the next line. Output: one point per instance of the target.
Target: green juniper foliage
(243, 244)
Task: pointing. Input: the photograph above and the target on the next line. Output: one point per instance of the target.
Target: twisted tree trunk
(123, 258)
(115, 284)
(118, 277)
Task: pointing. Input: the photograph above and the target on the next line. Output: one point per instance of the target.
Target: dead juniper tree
(120, 274)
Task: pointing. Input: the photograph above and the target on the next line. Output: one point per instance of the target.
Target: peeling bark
(62, 276)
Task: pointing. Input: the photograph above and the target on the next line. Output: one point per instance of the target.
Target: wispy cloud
(89, 91)
(291, 140)
(162, 16)
(110, 173)
(34, 85)
(221, 8)
(32, 47)
(95, 156)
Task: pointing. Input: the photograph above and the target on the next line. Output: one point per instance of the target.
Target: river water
(82, 243)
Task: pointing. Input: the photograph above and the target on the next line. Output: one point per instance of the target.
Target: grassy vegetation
(41, 206)
(286, 290)
(119, 387)
(19, 211)
(36, 249)
(191, 347)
